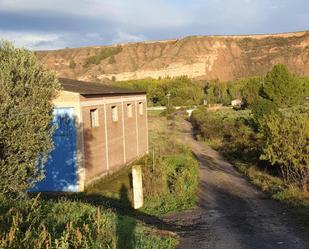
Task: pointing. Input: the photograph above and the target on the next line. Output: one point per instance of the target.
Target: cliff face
(199, 57)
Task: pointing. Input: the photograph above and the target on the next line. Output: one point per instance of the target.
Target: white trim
(146, 113)
(123, 133)
(111, 101)
(81, 162)
(106, 138)
(136, 127)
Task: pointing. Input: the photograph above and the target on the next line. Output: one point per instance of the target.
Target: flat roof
(93, 88)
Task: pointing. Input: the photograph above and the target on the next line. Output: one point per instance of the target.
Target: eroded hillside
(200, 57)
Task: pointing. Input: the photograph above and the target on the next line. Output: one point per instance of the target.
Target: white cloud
(32, 40)
(122, 37)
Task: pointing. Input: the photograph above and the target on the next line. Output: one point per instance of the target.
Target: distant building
(100, 129)
(236, 103)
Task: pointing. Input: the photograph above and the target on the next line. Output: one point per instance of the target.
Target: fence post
(138, 199)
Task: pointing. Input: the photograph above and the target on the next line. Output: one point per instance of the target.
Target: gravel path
(231, 213)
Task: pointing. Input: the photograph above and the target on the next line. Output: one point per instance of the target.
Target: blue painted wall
(61, 168)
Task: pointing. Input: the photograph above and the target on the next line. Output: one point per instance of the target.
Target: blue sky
(53, 24)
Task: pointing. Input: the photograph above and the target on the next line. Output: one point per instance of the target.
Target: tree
(26, 91)
(261, 108)
(281, 87)
(287, 146)
(250, 92)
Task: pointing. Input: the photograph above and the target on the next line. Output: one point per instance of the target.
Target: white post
(138, 199)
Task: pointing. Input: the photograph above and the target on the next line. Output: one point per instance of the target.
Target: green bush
(287, 146)
(231, 131)
(102, 54)
(26, 93)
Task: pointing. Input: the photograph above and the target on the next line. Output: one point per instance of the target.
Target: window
(114, 113)
(129, 110)
(140, 108)
(94, 118)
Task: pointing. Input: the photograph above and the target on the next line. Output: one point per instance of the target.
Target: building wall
(113, 144)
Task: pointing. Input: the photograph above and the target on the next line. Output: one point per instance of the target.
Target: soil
(199, 57)
(232, 213)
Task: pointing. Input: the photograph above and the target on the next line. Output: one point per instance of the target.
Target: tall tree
(250, 92)
(281, 87)
(26, 93)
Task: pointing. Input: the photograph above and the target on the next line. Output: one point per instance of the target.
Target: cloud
(122, 37)
(73, 23)
(33, 40)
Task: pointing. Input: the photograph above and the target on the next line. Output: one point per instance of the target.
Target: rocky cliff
(199, 57)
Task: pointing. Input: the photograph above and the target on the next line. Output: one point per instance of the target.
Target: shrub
(102, 54)
(26, 91)
(287, 146)
(72, 64)
(232, 132)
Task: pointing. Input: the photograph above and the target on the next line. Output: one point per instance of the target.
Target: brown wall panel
(130, 132)
(115, 137)
(142, 129)
(94, 143)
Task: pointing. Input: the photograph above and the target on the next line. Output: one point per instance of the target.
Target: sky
(55, 24)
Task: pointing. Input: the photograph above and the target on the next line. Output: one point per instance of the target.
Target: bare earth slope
(200, 57)
(231, 213)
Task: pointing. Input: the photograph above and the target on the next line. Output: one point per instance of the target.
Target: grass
(64, 223)
(154, 113)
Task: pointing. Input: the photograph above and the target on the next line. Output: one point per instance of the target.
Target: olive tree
(287, 146)
(26, 93)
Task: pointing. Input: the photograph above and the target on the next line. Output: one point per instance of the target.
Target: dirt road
(231, 213)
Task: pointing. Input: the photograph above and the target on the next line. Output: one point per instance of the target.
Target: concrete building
(99, 130)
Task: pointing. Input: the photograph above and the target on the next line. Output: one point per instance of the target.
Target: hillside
(199, 57)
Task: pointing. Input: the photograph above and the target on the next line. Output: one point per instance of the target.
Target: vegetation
(64, 224)
(287, 146)
(282, 88)
(278, 86)
(72, 64)
(183, 91)
(170, 172)
(102, 54)
(26, 91)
